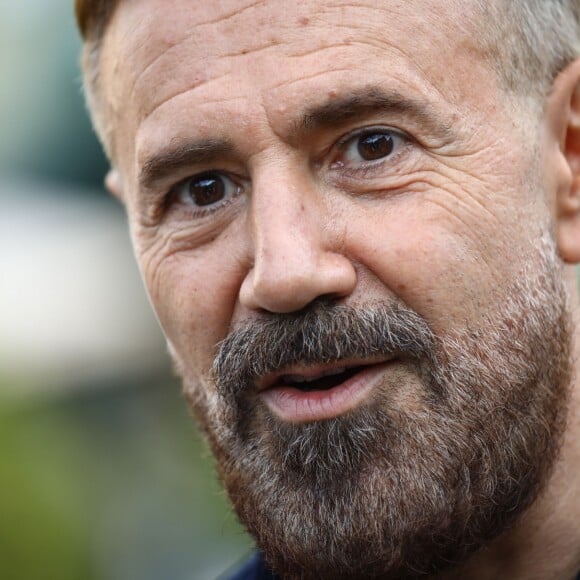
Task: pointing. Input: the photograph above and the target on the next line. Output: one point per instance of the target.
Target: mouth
(321, 381)
(314, 393)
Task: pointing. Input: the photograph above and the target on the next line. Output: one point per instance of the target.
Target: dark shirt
(255, 569)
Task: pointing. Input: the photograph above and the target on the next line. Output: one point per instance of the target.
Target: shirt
(255, 569)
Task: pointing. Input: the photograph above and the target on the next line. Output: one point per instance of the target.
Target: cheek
(193, 295)
(440, 272)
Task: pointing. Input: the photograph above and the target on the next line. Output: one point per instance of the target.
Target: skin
(444, 223)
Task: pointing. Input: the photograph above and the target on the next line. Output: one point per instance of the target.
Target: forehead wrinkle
(233, 13)
(189, 39)
(427, 11)
(143, 73)
(251, 51)
(419, 80)
(185, 92)
(201, 79)
(245, 53)
(434, 18)
(346, 44)
(289, 83)
(151, 32)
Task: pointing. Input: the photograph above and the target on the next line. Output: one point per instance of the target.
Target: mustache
(322, 333)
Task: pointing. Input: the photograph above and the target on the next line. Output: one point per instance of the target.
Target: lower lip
(295, 406)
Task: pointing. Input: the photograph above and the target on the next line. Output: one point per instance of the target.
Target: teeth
(303, 379)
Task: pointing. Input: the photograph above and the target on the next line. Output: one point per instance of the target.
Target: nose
(297, 255)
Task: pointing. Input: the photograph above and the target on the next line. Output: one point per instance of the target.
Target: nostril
(331, 298)
(288, 284)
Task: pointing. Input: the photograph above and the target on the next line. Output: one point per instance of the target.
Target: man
(358, 223)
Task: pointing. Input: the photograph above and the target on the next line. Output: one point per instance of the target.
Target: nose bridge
(294, 259)
(286, 223)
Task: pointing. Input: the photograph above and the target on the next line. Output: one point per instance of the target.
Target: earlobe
(564, 117)
(114, 184)
(568, 228)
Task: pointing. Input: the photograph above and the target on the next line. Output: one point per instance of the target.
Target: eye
(371, 145)
(206, 189)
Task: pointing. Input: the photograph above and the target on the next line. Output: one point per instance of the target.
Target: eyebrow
(177, 156)
(374, 100)
(361, 103)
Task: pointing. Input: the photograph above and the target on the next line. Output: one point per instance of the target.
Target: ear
(563, 116)
(114, 184)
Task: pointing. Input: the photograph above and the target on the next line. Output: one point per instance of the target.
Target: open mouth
(322, 382)
(304, 394)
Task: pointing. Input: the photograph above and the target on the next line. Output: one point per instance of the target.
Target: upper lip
(315, 371)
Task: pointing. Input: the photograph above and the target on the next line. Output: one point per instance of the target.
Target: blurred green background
(103, 475)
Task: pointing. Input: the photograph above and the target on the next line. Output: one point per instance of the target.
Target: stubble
(444, 456)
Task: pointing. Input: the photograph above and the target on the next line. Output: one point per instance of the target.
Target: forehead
(217, 58)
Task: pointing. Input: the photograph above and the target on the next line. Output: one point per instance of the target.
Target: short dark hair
(93, 17)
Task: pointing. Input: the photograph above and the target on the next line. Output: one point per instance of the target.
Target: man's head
(353, 220)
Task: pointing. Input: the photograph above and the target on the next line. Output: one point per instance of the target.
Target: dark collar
(255, 569)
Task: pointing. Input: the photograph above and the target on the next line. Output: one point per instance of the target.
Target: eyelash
(363, 169)
(369, 167)
(193, 213)
(197, 212)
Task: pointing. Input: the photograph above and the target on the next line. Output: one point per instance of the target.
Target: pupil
(207, 190)
(375, 146)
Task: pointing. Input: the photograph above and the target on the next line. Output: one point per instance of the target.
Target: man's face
(340, 192)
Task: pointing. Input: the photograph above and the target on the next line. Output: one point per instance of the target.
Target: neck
(546, 541)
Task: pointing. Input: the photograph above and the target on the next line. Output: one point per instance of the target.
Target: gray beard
(445, 455)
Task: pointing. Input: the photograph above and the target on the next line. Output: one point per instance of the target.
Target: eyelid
(177, 189)
(172, 197)
(340, 148)
(361, 132)
(368, 129)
